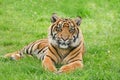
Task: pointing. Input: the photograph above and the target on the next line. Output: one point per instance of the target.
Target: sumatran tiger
(64, 46)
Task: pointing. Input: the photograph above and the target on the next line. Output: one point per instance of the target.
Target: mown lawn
(24, 21)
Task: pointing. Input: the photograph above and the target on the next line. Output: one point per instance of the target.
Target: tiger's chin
(63, 46)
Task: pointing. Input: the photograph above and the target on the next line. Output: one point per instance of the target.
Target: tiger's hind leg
(35, 48)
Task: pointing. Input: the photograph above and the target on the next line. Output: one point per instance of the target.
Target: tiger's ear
(78, 21)
(54, 17)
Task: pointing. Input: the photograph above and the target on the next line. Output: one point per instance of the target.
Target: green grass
(24, 21)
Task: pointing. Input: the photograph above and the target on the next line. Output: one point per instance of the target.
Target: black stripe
(41, 49)
(27, 49)
(52, 52)
(75, 55)
(54, 35)
(77, 33)
(75, 60)
(57, 51)
(31, 48)
(52, 29)
(42, 58)
(51, 58)
(21, 54)
(69, 52)
(75, 37)
(45, 50)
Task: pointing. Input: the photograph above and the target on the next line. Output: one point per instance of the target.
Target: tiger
(64, 46)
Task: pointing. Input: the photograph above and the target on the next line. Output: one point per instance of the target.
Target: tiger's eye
(72, 29)
(58, 28)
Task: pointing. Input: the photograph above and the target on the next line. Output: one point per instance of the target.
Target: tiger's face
(64, 33)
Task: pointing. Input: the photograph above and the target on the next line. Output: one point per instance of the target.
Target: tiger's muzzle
(64, 43)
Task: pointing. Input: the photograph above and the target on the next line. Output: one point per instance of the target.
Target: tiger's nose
(65, 37)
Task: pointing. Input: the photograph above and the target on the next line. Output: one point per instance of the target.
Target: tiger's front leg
(70, 67)
(48, 64)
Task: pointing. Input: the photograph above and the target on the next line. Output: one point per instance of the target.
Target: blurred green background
(25, 21)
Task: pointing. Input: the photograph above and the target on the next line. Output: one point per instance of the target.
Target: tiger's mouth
(64, 44)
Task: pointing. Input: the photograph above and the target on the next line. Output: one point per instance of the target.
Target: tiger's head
(64, 32)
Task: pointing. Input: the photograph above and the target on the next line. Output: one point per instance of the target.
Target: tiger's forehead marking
(66, 21)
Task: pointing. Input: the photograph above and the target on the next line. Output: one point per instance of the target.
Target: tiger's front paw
(49, 68)
(64, 69)
(70, 67)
